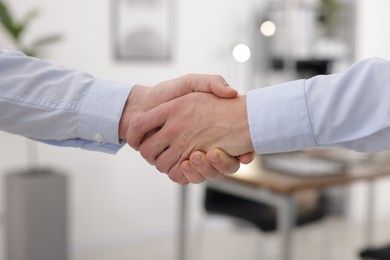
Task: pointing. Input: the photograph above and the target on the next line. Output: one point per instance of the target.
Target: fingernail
(196, 159)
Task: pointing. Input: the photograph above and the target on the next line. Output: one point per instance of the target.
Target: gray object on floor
(36, 215)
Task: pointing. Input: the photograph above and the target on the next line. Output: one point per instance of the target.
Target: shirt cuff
(84, 144)
(101, 111)
(278, 118)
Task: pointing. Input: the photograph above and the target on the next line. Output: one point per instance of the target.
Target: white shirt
(58, 106)
(350, 110)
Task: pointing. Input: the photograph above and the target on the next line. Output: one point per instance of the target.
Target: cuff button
(98, 138)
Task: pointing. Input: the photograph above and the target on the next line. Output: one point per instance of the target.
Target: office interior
(119, 206)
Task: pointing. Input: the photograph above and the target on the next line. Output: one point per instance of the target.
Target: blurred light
(268, 28)
(241, 53)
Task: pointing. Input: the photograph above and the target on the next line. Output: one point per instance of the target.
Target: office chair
(259, 215)
(380, 253)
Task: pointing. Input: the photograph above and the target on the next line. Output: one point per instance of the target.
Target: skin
(213, 165)
(192, 126)
(196, 167)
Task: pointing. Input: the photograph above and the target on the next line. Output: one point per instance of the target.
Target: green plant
(16, 29)
(331, 9)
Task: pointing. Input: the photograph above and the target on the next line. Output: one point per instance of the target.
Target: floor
(333, 239)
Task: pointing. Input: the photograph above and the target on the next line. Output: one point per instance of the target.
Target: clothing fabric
(59, 106)
(348, 110)
(72, 108)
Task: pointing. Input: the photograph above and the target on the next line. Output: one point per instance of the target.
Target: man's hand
(143, 99)
(194, 122)
(211, 166)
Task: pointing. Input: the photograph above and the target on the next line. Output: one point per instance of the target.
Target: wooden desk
(277, 188)
(282, 183)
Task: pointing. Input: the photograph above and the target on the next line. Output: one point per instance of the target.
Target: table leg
(182, 242)
(369, 229)
(286, 220)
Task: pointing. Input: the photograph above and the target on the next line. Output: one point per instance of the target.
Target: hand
(143, 99)
(194, 122)
(211, 166)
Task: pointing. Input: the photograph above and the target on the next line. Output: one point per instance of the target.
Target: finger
(167, 158)
(174, 88)
(143, 123)
(202, 166)
(211, 83)
(176, 175)
(247, 158)
(155, 149)
(223, 162)
(191, 174)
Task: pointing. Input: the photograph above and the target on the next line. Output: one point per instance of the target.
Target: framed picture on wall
(143, 29)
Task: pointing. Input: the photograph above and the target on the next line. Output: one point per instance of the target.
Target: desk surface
(254, 175)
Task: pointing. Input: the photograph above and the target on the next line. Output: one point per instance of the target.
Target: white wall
(373, 40)
(120, 199)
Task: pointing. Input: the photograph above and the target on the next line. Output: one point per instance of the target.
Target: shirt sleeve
(59, 106)
(349, 110)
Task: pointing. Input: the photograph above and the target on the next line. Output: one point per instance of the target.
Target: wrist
(231, 120)
(244, 136)
(133, 105)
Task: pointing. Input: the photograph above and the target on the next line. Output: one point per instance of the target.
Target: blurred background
(119, 207)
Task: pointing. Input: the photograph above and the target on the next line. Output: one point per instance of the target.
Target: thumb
(223, 91)
(246, 158)
(171, 89)
(212, 84)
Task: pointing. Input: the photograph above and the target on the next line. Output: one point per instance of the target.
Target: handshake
(194, 128)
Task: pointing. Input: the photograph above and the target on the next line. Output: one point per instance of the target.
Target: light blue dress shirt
(349, 110)
(72, 108)
(59, 106)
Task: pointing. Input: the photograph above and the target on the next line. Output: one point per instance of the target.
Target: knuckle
(190, 80)
(147, 154)
(161, 167)
(194, 176)
(177, 176)
(136, 122)
(173, 177)
(171, 129)
(219, 78)
(133, 138)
